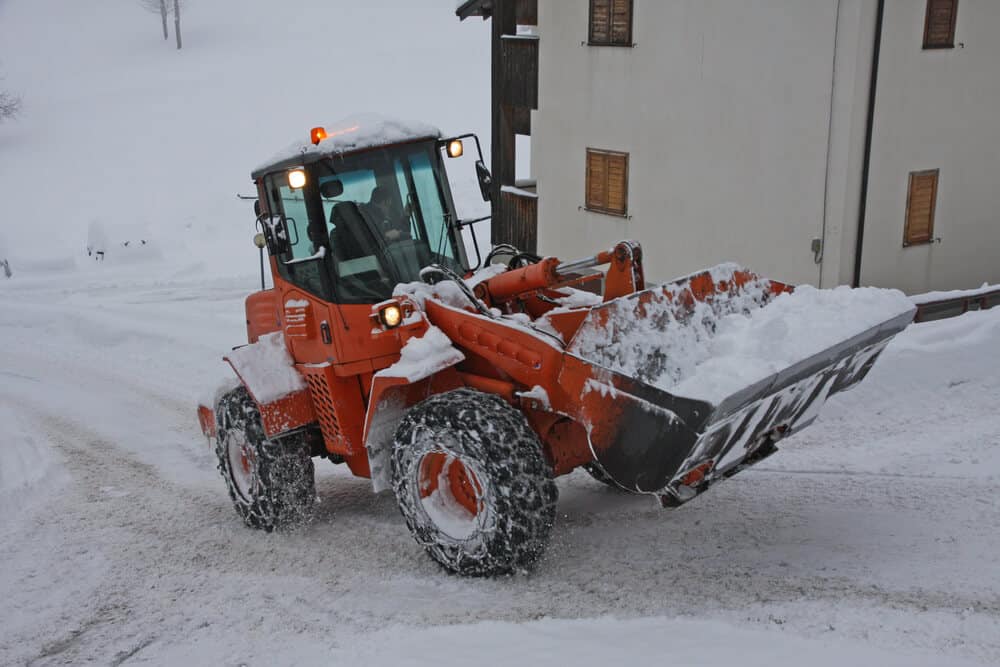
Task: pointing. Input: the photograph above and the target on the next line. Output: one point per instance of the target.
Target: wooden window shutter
(611, 22)
(621, 22)
(597, 179)
(920, 204)
(939, 25)
(607, 182)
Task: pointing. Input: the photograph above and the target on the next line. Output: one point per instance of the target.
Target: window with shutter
(610, 22)
(939, 25)
(607, 182)
(920, 204)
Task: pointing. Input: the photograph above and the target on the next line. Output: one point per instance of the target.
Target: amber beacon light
(317, 134)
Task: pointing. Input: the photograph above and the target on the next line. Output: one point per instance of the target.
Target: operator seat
(351, 236)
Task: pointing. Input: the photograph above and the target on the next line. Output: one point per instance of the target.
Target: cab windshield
(368, 221)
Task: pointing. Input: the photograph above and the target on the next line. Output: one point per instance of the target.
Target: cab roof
(348, 135)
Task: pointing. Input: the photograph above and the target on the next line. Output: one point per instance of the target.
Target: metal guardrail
(956, 305)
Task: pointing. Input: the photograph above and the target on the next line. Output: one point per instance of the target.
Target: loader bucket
(660, 423)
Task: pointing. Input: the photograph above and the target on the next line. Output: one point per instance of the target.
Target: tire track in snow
(112, 514)
(189, 545)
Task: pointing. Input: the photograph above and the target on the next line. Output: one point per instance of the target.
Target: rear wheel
(473, 484)
(271, 482)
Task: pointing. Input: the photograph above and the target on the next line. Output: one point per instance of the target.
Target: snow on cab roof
(349, 134)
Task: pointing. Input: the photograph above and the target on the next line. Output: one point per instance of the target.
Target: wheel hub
(242, 464)
(451, 494)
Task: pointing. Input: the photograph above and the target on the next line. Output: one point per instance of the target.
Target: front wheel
(271, 482)
(473, 484)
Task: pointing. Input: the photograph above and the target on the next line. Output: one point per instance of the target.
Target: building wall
(723, 107)
(937, 109)
(851, 94)
(746, 123)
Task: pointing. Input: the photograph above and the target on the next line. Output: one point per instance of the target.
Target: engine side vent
(324, 406)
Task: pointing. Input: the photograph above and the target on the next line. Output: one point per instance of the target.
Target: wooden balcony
(519, 55)
(516, 219)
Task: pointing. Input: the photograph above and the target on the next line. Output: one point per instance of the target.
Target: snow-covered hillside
(121, 135)
(870, 539)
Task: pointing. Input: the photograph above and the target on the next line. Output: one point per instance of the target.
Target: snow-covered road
(873, 536)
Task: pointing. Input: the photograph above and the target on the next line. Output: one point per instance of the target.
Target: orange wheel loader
(467, 392)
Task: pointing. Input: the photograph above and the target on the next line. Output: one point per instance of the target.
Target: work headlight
(391, 316)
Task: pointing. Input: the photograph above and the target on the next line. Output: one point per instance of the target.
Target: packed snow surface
(872, 532)
(267, 368)
(27, 462)
(724, 347)
(602, 642)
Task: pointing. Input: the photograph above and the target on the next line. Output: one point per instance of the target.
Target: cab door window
(284, 201)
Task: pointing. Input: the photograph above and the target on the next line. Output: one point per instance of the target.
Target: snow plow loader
(467, 387)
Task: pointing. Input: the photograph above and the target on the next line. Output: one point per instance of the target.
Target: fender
(266, 369)
(394, 391)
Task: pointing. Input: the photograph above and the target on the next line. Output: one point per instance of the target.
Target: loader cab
(348, 226)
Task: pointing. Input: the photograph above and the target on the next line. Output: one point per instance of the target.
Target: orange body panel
(339, 350)
(206, 419)
(287, 413)
(262, 314)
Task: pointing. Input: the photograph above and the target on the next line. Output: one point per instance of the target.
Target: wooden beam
(504, 23)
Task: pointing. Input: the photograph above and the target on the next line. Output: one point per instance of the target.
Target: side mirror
(256, 207)
(485, 180)
(275, 233)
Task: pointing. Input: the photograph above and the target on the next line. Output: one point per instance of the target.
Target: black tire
(598, 473)
(514, 493)
(271, 482)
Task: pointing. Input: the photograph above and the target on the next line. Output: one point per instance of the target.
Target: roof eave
(483, 8)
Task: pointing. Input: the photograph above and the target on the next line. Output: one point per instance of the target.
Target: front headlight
(391, 316)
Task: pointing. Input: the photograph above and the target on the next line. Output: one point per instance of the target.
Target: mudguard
(396, 389)
(265, 368)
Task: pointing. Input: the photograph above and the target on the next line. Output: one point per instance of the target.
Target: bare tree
(177, 22)
(163, 18)
(9, 105)
(165, 8)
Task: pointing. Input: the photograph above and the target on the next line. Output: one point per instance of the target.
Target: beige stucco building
(751, 131)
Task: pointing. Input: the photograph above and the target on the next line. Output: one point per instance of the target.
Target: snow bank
(267, 368)
(600, 642)
(26, 460)
(723, 347)
(929, 297)
(424, 356)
